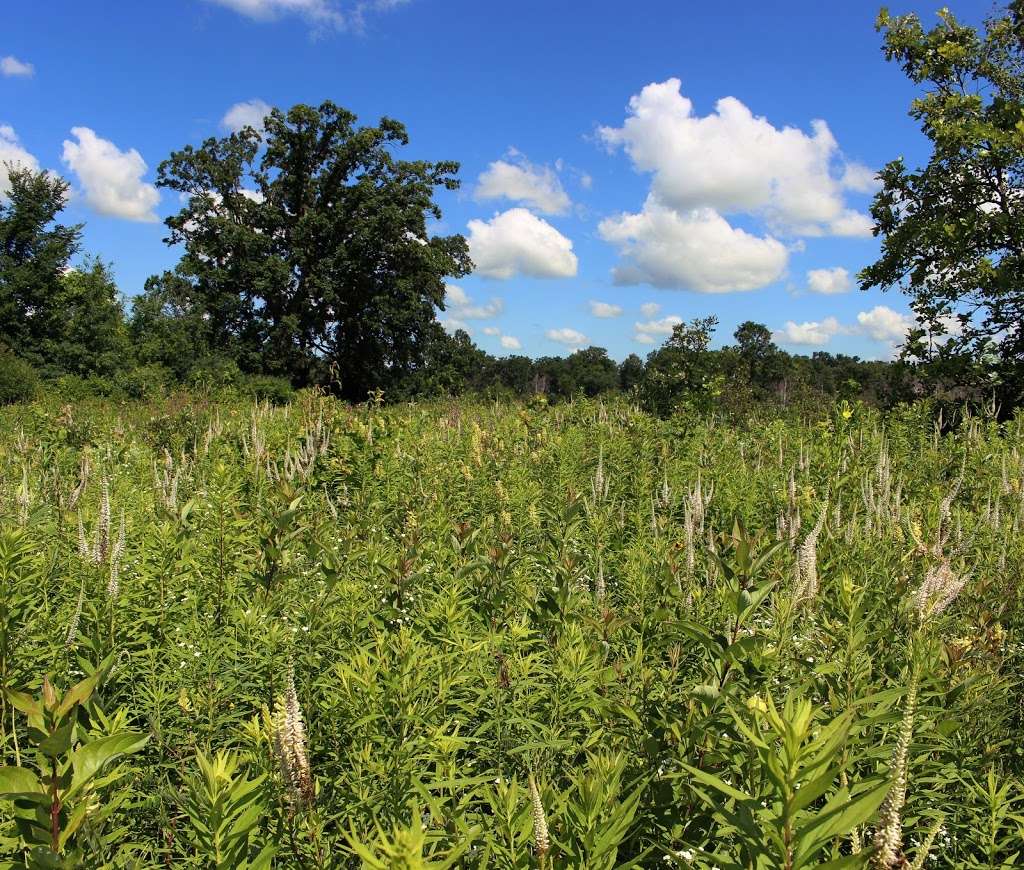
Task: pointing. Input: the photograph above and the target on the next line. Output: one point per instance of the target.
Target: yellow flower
(756, 702)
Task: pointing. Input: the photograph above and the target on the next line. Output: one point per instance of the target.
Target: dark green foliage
(592, 372)
(214, 371)
(93, 339)
(265, 388)
(64, 321)
(166, 329)
(452, 365)
(761, 364)
(34, 252)
(553, 377)
(144, 381)
(307, 251)
(953, 230)
(18, 380)
(682, 371)
(631, 372)
(514, 374)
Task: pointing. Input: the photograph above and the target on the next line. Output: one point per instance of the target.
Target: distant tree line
(684, 372)
(205, 324)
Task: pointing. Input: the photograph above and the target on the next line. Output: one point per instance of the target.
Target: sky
(624, 167)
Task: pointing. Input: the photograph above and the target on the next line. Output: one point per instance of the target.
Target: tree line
(308, 260)
(193, 326)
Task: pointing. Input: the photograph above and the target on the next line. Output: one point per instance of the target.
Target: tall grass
(485, 635)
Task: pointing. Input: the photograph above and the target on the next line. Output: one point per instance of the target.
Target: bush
(18, 380)
(214, 373)
(277, 391)
(75, 388)
(144, 382)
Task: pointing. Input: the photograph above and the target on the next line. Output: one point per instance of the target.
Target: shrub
(144, 382)
(214, 372)
(18, 380)
(75, 388)
(277, 391)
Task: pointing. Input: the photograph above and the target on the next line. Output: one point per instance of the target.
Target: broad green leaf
(16, 781)
(89, 759)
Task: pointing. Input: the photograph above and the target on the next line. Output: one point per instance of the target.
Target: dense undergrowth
(482, 635)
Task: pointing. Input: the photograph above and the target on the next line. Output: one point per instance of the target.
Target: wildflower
(102, 545)
(76, 617)
(540, 823)
(807, 560)
(925, 848)
(114, 585)
(289, 736)
(83, 546)
(889, 834)
(756, 702)
(940, 587)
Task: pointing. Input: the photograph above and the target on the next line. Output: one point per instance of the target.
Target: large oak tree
(307, 251)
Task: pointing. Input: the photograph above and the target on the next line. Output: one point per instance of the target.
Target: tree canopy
(953, 230)
(307, 248)
(35, 251)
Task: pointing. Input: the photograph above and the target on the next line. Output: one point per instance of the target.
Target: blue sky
(623, 165)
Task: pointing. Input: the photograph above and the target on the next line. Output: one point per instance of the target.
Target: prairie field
(472, 634)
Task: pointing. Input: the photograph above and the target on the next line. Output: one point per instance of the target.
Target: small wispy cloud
(10, 66)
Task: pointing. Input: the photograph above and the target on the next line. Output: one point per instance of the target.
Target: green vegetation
(497, 635)
(952, 230)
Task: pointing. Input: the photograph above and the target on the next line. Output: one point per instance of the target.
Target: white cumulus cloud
(510, 342)
(852, 223)
(451, 325)
(14, 154)
(736, 162)
(860, 178)
(11, 66)
(459, 304)
(883, 324)
(248, 113)
(491, 330)
(812, 333)
(650, 309)
(266, 10)
(645, 332)
(111, 178)
(664, 326)
(694, 250)
(538, 187)
(517, 242)
(604, 309)
(567, 336)
(829, 281)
